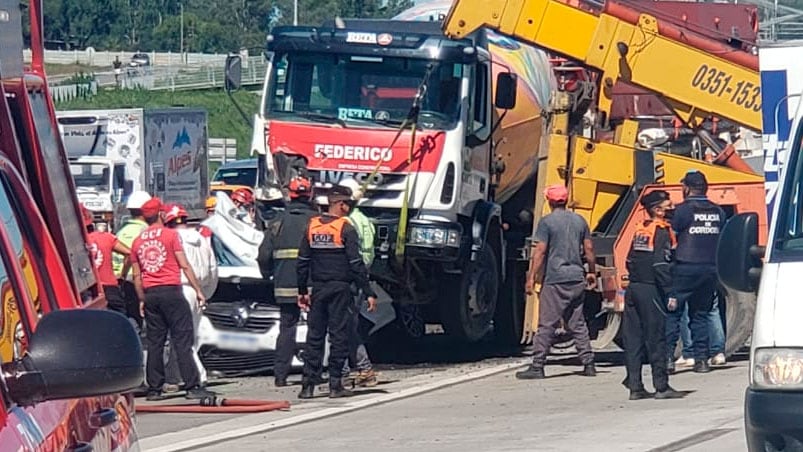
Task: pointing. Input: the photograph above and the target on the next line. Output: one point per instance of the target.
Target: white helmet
(137, 199)
(356, 189)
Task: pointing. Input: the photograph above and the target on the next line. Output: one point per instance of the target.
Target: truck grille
(236, 363)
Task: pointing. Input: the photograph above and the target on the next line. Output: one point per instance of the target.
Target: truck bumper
(773, 419)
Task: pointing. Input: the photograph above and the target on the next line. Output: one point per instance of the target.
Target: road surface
(478, 406)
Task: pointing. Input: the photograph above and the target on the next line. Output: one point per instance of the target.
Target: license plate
(238, 342)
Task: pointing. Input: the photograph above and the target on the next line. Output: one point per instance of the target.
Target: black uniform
(329, 256)
(277, 256)
(648, 266)
(697, 222)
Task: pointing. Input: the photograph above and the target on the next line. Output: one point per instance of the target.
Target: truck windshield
(326, 87)
(91, 175)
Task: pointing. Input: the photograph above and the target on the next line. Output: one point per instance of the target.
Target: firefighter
(697, 222)
(211, 203)
(277, 257)
(102, 245)
(329, 259)
(648, 267)
(243, 200)
(157, 261)
(559, 239)
(126, 235)
(199, 254)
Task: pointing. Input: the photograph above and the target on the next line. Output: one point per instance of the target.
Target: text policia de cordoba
(343, 152)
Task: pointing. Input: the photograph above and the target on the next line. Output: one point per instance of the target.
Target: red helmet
(299, 187)
(86, 216)
(243, 196)
(173, 212)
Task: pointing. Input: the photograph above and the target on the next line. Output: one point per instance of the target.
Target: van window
(788, 242)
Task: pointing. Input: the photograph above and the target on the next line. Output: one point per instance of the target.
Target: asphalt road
(481, 406)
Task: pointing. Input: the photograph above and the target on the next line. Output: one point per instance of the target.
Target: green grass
(224, 119)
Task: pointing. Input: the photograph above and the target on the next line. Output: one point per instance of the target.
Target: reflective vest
(646, 263)
(644, 237)
(326, 236)
(126, 235)
(365, 230)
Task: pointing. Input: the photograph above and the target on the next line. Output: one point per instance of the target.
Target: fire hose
(218, 405)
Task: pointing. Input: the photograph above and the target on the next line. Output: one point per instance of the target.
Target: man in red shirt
(101, 246)
(158, 260)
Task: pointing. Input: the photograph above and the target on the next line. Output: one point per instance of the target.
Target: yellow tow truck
(695, 76)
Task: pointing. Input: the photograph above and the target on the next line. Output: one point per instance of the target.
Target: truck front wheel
(468, 301)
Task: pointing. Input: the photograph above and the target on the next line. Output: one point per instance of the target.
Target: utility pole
(295, 12)
(181, 6)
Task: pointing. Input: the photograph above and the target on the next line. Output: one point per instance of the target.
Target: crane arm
(696, 76)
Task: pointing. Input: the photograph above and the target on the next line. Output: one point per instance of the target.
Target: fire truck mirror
(76, 353)
(506, 91)
(234, 72)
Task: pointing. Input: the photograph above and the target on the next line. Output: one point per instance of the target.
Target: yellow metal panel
(560, 27)
(603, 162)
(510, 16)
(626, 133)
(675, 167)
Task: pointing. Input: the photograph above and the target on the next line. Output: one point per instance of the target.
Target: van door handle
(82, 447)
(102, 418)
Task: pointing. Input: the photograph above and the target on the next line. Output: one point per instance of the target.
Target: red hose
(222, 406)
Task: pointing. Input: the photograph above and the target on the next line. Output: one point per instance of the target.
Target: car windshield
(91, 175)
(326, 87)
(237, 176)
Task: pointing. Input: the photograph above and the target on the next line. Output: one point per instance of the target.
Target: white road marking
(220, 431)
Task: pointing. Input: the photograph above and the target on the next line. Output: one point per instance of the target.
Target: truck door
(31, 276)
(477, 152)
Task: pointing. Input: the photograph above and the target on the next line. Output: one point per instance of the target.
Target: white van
(774, 398)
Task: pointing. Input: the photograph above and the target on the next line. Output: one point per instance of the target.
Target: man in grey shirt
(559, 239)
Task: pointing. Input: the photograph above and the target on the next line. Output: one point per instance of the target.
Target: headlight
(778, 368)
(434, 236)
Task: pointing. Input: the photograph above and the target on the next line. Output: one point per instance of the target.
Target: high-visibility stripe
(286, 254)
(286, 292)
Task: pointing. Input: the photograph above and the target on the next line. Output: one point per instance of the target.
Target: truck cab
(102, 186)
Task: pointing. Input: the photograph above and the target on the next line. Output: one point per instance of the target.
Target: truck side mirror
(76, 353)
(234, 72)
(738, 253)
(506, 85)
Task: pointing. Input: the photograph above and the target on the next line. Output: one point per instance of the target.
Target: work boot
(531, 373)
(641, 394)
(339, 392)
(366, 378)
(198, 393)
(701, 366)
(669, 393)
(589, 370)
(307, 392)
(280, 382)
(154, 396)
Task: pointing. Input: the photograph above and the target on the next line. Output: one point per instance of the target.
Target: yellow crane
(697, 77)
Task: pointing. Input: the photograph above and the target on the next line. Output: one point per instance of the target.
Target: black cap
(695, 179)
(339, 193)
(654, 198)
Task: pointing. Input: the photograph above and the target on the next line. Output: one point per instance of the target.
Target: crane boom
(696, 76)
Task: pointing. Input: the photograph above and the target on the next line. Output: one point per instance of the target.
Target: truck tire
(468, 301)
(740, 309)
(510, 306)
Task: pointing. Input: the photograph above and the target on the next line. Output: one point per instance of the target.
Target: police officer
(648, 266)
(329, 256)
(277, 256)
(697, 223)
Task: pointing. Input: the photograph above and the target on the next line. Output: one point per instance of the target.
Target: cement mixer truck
(333, 103)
